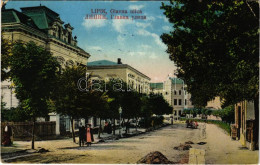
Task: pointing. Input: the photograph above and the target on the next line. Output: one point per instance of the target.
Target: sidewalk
(19, 146)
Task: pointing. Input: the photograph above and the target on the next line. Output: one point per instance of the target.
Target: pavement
(19, 146)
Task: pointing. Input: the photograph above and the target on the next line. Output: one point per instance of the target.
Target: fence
(23, 130)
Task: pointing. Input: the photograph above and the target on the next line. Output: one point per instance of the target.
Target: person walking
(89, 135)
(82, 133)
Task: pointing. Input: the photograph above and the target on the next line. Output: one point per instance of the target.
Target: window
(166, 93)
(175, 93)
(185, 101)
(179, 92)
(175, 101)
(179, 101)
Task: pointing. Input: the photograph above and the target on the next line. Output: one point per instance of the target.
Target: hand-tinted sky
(136, 42)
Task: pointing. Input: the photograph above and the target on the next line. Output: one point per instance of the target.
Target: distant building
(214, 104)
(174, 92)
(44, 27)
(106, 70)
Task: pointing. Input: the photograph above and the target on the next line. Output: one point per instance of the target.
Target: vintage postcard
(130, 82)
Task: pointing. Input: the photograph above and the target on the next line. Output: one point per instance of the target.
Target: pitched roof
(14, 16)
(101, 63)
(41, 15)
(156, 85)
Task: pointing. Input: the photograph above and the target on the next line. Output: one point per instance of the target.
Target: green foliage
(67, 98)
(32, 69)
(131, 104)
(15, 115)
(159, 105)
(197, 111)
(219, 39)
(227, 114)
(6, 52)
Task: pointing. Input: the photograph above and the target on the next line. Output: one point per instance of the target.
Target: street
(218, 146)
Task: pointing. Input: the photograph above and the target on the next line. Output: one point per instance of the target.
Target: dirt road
(130, 150)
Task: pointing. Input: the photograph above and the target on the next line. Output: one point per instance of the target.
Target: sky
(137, 42)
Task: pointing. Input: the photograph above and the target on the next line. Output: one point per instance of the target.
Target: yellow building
(44, 27)
(105, 70)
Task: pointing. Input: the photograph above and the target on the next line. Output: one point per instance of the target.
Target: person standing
(7, 136)
(89, 135)
(82, 132)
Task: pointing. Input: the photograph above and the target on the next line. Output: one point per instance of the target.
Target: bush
(15, 115)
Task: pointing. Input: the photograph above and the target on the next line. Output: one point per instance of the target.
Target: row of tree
(226, 114)
(42, 86)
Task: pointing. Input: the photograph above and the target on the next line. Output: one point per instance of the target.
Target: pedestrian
(82, 133)
(7, 136)
(109, 128)
(106, 127)
(89, 135)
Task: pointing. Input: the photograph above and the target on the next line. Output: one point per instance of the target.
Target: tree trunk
(136, 124)
(100, 128)
(72, 129)
(114, 126)
(33, 132)
(256, 127)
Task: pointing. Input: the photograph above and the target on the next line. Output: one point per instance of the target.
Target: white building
(174, 92)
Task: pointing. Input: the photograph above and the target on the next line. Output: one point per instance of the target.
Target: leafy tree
(159, 105)
(68, 99)
(227, 114)
(215, 45)
(6, 52)
(15, 114)
(32, 69)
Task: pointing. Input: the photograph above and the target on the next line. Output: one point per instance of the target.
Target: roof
(156, 85)
(14, 16)
(101, 63)
(176, 80)
(106, 64)
(41, 15)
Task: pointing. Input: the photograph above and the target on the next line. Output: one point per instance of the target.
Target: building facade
(106, 70)
(44, 27)
(244, 129)
(174, 92)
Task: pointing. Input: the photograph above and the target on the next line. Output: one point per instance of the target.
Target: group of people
(192, 124)
(85, 135)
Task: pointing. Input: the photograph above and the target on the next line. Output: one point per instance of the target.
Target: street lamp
(120, 112)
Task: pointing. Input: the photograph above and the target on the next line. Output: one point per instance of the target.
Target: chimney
(119, 61)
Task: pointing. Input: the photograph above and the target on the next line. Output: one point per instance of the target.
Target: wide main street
(218, 146)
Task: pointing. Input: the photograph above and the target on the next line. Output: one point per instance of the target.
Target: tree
(131, 106)
(226, 114)
(68, 99)
(6, 52)
(220, 40)
(159, 105)
(32, 69)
